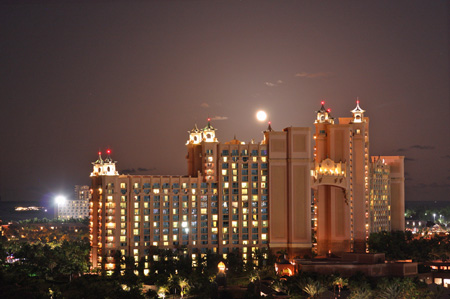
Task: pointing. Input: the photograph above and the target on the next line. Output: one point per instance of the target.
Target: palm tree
(390, 291)
(313, 289)
(282, 254)
(184, 285)
(278, 286)
(340, 283)
(173, 282)
(254, 276)
(361, 293)
(162, 291)
(360, 290)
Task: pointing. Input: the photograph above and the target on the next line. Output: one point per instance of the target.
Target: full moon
(261, 115)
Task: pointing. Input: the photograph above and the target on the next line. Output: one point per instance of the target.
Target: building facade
(240, 196)
(78, 207)
(347, 196)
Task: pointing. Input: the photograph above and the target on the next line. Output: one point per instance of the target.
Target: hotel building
(76, 208)
(246, 196)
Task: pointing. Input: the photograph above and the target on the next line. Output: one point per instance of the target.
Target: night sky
(135, 76)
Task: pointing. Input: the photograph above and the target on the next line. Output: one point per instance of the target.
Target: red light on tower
(323, 103)
(99, 153)
(270, 122)
(328, 110)
(357, 102)
(209, 119)
(108, 151)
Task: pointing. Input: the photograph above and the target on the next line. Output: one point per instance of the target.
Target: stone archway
(333, 212)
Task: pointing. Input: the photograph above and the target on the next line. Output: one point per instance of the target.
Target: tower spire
(99, 159)
(358, 113)
(323, 114)
(209, 134)
(108, 157)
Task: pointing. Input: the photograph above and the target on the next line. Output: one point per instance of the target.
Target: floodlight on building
(60, 200)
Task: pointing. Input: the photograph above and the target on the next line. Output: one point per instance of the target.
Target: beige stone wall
(396, 164)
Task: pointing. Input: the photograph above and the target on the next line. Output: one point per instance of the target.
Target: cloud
(219, 117)
(313, 75)
(422, 147)
(145, 169)
(139, 169)
(204, 105)
(270, 84)
(129, 170)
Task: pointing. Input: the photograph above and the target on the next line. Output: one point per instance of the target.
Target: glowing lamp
(323, 103)
(221, 267)
(99, 153)
(60, 200)
(328, 110)
(108, 151)
(209, 119)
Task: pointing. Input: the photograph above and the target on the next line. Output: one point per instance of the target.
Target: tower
(194, 155)
(104, 167)
(99, 216)
(202, 152)
(289, 189)
(340, 181)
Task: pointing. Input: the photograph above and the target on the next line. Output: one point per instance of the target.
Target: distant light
(99, 153)
(60, 200)
(328, 110)
(261, 115)
(323, 103)
(108, 151)
(221, 267)
(357, 102)
(209, 119)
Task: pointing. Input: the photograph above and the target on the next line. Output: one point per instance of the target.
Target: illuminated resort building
(240, 196)
(343, 176)
(77, 208)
